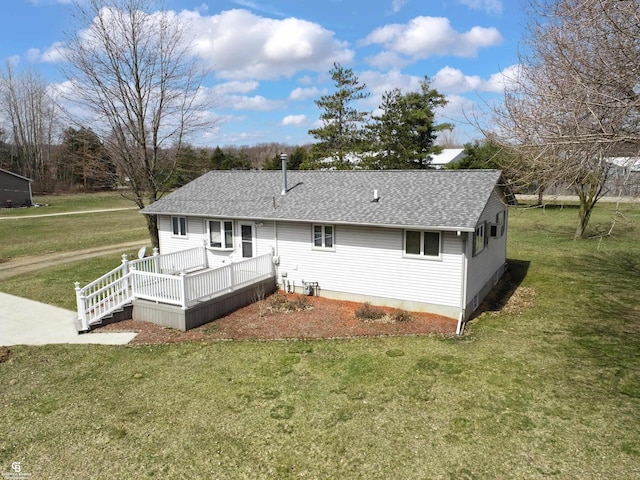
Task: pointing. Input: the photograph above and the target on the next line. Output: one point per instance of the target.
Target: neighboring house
(420, 240)
(446, 157)
(438, 161)
(15, 190)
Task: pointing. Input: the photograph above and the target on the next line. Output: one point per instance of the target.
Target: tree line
(573, 103)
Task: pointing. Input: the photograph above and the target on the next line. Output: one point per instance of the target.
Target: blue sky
(270, 59)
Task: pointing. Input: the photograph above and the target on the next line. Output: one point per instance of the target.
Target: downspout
(463, 297)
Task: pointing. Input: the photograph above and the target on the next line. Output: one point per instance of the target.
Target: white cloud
(300, 93)
(508, 77)
(239, 44)
(452, 80)
(294, 120)
(55, 53)
(397, 5)
(235, 87)
(424, 37)
(256, 103)
(489, 6)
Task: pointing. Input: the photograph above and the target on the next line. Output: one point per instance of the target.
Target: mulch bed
(324, 318)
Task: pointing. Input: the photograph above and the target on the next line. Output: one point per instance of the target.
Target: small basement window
(179, 226)
(220, 234)
(323, 236)
(420, 243)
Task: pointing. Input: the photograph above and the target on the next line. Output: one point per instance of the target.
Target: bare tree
(576, 100)
(31, 114)
(132, 69)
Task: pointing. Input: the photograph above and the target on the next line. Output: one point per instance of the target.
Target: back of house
(420, 240)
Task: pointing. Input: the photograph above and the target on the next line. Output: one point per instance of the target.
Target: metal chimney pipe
(283, 157)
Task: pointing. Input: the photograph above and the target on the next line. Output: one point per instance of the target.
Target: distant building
(447, 156)
(15, 190)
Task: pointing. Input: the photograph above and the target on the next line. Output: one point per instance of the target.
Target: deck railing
(147, 279)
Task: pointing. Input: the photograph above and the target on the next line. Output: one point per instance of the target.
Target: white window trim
(323, 248)
(501, 221)
(480, 231)
(421, 255)
(179, 234)
(221, 222)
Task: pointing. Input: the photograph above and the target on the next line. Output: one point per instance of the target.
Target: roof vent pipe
(375, 196)
(283, 157)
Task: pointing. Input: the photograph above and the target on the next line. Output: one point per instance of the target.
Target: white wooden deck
(181, 279)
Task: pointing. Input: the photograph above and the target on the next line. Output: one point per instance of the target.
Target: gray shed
(15, 190)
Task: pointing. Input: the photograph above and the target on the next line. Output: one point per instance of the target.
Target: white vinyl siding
(371, 261)
(482, 267)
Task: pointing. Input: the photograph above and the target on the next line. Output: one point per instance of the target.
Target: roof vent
(376, 198)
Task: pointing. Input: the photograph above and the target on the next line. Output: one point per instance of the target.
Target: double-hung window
(479, 239)
(424, 244)
(323, 236)
(179, 226)
(220, 234)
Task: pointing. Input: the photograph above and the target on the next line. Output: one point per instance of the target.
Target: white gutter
(463, 299)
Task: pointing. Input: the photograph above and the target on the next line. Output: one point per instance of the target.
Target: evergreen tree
(342, 131)
(405, 133)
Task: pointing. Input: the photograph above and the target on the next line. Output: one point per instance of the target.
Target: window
(179, 226)
(221, 234)
(500, 222)
(323, 236)
(426, 244)
(479, 239)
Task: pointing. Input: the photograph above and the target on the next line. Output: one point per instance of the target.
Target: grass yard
(51, 234)
(550, 392)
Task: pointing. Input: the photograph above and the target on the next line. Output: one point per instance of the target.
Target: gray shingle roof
(446, 199)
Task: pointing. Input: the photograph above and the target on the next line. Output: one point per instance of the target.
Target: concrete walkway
(25, 322)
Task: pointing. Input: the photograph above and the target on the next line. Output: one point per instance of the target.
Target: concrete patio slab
(26, 322)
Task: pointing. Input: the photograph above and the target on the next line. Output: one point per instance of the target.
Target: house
(446, 157)
(15, 190)
(420, 240)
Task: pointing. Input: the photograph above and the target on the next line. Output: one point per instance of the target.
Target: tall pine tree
(342, 132)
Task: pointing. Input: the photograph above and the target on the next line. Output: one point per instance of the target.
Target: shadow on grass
(506, 287)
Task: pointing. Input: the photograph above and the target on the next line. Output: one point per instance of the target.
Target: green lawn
(552, 392)
(48, 234)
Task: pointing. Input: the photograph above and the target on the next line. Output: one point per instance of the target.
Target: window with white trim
(421, 243)
(323, 236)
(479, 239)
(179, 226)
(220, 234)
(500, 216)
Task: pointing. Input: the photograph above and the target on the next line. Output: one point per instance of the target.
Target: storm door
(246, 232)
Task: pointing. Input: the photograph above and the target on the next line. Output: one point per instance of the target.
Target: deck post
(232, 276)
(205, 259)
(156, 260)
(125, 272)
(183, 290)
(82, 311)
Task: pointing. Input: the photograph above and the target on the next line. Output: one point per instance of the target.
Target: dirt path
(30, 264)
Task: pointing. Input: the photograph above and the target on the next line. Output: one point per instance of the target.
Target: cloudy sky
(270, 58)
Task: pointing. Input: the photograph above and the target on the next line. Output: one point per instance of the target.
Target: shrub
(289, 303)
(367, 312)
(401, 316)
